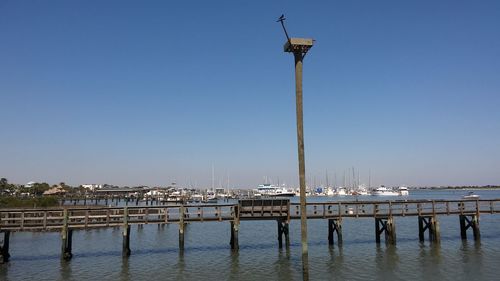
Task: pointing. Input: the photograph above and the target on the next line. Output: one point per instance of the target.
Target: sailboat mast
(353, 178)
(369, 178)
(213, 177)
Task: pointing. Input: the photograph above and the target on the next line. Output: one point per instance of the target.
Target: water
(207, 254)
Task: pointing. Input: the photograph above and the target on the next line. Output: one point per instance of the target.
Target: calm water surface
(207, 255)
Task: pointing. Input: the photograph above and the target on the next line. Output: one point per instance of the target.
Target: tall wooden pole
(302, 165)
(299, 48)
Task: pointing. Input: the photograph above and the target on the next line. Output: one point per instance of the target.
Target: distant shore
(486, 187)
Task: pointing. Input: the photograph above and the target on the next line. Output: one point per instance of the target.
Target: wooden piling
(387, 226)
(431, 228)
(466, 223)
(390, 233)
(126, 234)
(283, 230)
(4, 249)
(286, 232)
(280, 233)
(421, 228)
(181, 228)
(463, 227)
(126, 241)
(436, 231)
(235, 227)
(377, 230)
(234, 235)
(430, 224)
(475, 227)
(335, 225)
(66, 237)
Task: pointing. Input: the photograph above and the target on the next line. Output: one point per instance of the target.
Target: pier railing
(278, 209)
(373, 209)
(54, 218)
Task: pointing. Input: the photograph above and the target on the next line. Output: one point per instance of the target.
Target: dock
(66, 219)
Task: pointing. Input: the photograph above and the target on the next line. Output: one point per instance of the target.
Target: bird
(282, 18)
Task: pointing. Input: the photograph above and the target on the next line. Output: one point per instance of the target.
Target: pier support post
(466, 223)
(286, 231)
(283, 230)
(387, 226)
(430, 224)
(66, 237)
(126, 234)
(421, 228)
(235, 227)
(181, 228)
(390, 234)
(234, 235)
(280, 233)
(4, 249)
(335, 225)
(126, 241)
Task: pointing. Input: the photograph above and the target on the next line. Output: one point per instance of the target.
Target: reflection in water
(430, 260)
(387, 262)
(283, 264)
(124, 274)
(471, 254)
(181, 267)
(336, 262)
(3, 272)
(65, 270)
(235, 266)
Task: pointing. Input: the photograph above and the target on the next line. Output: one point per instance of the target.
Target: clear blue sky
(150, 92)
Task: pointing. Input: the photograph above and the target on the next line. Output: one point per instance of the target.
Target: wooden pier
(66, 219)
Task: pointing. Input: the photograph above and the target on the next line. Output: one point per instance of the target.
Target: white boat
(209, 197)
(341, 191)
(274, 191)
(361, 190)
(330, 191)
(471, 195)
(403, 191)
(196, 197)
(384, 191)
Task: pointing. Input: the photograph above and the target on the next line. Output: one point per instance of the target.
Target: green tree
(40, 188)
(4, 185)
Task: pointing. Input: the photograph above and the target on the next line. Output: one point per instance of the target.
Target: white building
(30, 184)
(92, 187)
